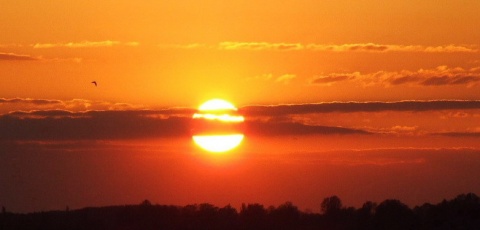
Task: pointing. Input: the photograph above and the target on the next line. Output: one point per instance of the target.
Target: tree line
(462, 212)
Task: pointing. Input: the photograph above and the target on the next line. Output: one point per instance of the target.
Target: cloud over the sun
(42, 119)
(131, 124)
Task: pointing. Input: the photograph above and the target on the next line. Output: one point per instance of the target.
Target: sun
(218, 143)
(216, 104)
(216, 126)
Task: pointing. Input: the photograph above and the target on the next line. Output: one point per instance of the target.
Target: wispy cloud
(286, 78)
(8, 105)
(333, 78)
(372, 47)
(84, 44)
(283, 79)
(16, 57)
(260, 46)
(28, 100)
(353, 47)
(440, 76)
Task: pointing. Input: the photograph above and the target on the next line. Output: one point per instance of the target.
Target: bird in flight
(94, 82)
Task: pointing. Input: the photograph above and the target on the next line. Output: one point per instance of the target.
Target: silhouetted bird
(94, 82)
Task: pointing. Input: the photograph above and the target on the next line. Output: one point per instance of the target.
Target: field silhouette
(462, 212)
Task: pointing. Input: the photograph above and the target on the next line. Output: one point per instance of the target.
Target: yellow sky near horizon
(181, 53)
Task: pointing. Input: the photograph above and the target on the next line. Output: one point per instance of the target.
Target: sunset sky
(366, 100)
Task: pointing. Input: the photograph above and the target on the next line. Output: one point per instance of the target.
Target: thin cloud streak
(272, 128)
(354, 47)
(333, 78)
(286, 78)
(16, 57)
(440, 76)
(28, 100)
(84, 44)
(8, 105)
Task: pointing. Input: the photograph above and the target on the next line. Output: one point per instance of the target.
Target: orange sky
(173, 53)
(329, 89)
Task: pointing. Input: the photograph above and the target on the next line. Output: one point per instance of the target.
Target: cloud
(28, 100)
(260, 46)
(286, 78)
(282, 79)
(80, 120)
(133, 124)
(440, 76)
(348, 107)
(16, 57)
(84, 44)
(459, 134)
(333, 78)
(8, 105)
(92, 125)
(400, 130)
(353, 47)
(274, 128)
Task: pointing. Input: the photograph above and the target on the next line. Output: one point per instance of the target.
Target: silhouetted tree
(228, 218)
(285, 216)
(331, 205)
(253, 216)
(146, 203)
(392, 214)
(334, 215)
(462, 212)
(365, 215)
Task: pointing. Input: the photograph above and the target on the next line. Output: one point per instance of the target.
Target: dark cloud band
(348, 107)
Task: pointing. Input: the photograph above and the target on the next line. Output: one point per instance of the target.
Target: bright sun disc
(216, 126)
(218, 143)
(216, 104)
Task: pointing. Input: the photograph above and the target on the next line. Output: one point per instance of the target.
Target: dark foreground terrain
(462, 212)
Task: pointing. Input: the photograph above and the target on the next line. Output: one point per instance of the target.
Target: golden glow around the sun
(214, 121)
